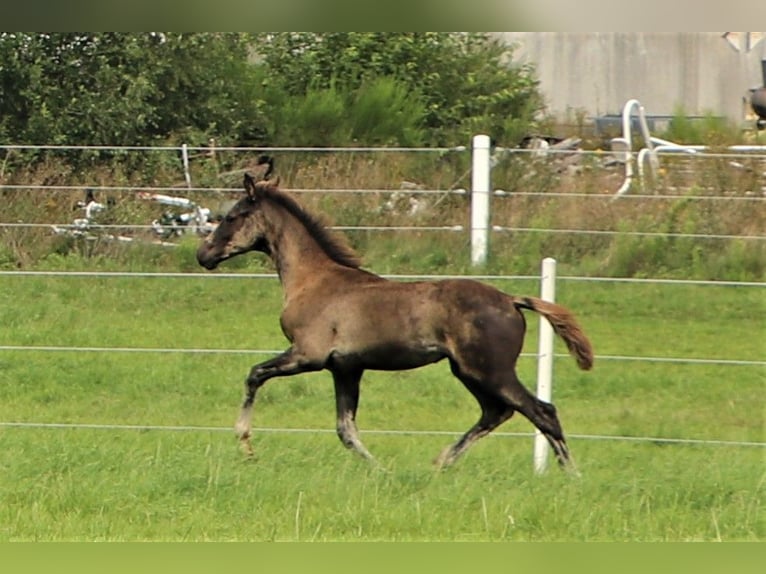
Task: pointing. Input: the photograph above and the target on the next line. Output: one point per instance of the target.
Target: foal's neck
(296, 254)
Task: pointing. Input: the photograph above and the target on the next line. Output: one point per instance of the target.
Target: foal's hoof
(571, 469)
(246, 447)
(443, 460)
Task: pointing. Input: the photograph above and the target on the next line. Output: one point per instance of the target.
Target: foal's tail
(564, 325)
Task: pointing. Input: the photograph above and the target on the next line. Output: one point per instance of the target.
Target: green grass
(122, 484)
(130, 485)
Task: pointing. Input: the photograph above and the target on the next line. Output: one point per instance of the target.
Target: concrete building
(594, 74)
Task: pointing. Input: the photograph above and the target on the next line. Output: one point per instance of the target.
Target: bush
(317, 119)
(710, 129)
(464, 80)
(381, 112)
(384, 112)
(114, 89)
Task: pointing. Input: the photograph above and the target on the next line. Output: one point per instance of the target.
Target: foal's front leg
(346, 403)
(290, 362)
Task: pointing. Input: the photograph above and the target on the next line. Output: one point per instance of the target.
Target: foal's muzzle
(206, 258)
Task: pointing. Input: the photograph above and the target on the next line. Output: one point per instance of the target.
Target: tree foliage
(464, 80)
(121, 88)
(261, 89)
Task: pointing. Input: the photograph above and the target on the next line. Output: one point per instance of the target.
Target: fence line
(199, 351)
(401, 276)
(385, 432)
(610, 197)
(216, 149)
(606, 232)
(683, 150)
(483, 159)
(630, 233)
(381, 191)
(232, 190)
(97, 226)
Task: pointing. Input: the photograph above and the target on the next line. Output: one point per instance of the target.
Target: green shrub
(465, 80)
(708, 129)
(385, 112)
(316, 119)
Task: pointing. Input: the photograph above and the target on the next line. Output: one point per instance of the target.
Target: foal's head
(243, 228)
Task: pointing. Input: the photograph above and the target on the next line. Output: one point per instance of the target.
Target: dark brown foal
(343, 319)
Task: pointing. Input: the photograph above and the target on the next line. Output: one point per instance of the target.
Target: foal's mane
(335, 246)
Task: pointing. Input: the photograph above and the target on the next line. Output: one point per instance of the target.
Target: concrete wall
(701, 72)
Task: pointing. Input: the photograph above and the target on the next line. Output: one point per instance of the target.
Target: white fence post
(545, 359)
(185, 162)
(480, 194)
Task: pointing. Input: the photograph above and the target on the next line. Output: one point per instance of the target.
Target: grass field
(101, 483)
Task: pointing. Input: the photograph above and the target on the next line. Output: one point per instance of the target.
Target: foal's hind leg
(494, 412)
(346, 403)
(543, 416)
(499, 397)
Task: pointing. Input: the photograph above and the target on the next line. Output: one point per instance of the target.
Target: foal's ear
(251, 189)
(254, 189)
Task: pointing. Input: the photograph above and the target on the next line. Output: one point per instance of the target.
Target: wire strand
(199, 351)
(383, 432)
(396, 276)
